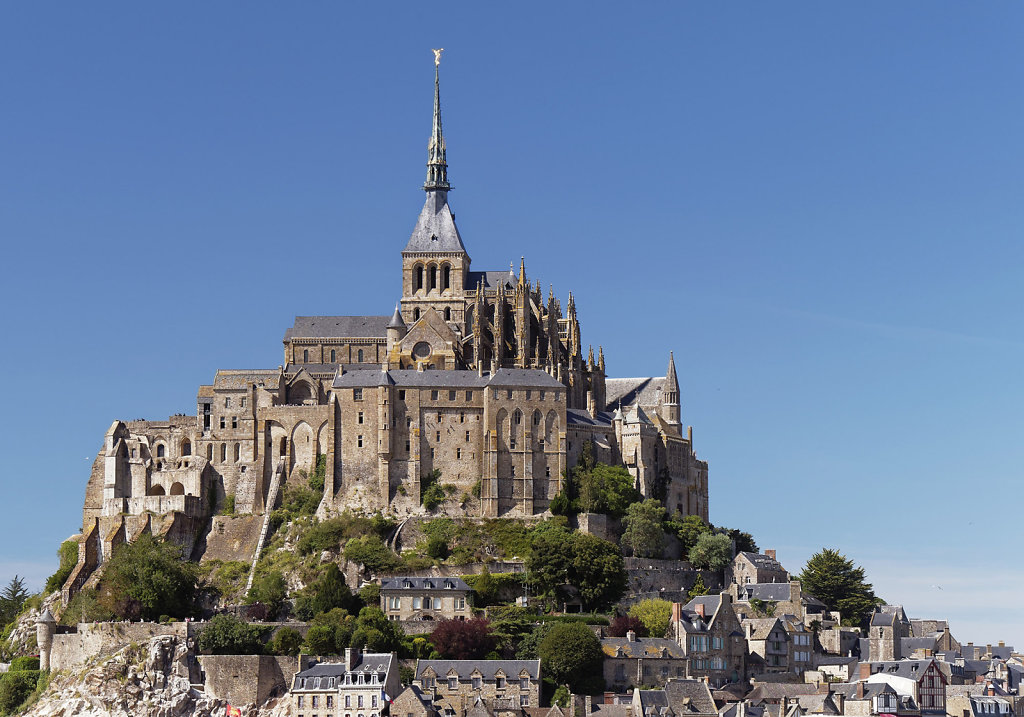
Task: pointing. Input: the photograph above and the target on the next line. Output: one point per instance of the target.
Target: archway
(157, 490)
(177, 489)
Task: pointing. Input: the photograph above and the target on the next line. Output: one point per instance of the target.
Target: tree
(227, 635)
(836, 581)
(437, 547)
(603, 489)
(654, 614)
(341, 623)
(148, 578)
(320, 640)
(547, 565)
(689, 530)
(374, 631)
(744, 541)
(485, 589)
(463, 639)
(509, 624)
(371, 552)
(15, 688)
(624, 623)
(269, 589)
(286, 641)
(644, 529)
(571, 654)
(597, 570)
(698, 588)
(68, 555)
(327, 592)
(529, 646)
(369, 595)
(712, 552)
(11, 600)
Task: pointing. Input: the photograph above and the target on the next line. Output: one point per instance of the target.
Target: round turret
(46, 626)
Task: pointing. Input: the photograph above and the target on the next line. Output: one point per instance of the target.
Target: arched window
(305, 356)
(447, 313)
(416, 314)
(209, 451)
(186, 447)
(177, 489)
(160, 450)
(417, 277)
(359, 355)
(238, 452)
(223, 452)
(446, 277)
(157, 490)
(432, 278)
(284, 446)
(332, 356)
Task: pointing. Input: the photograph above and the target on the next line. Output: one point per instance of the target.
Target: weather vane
(437, 56)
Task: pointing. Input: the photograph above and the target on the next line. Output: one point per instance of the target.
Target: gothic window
(209, 452)
(417, 278)
(332, 356)
(446, 277)
(160, 450)
(415, 314)
(223, 452)
(186, 448)
(447, 314)
(305, 356)
(431, 278)
(284, 446)
(536, 418)
(359, 356)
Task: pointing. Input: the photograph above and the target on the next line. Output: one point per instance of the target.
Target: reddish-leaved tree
(463, 639)
(624, 623)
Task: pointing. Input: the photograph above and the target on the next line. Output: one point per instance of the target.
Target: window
(462, 416)
(357, 394)
(508, 394)
(524, 700)
(332, 361)
(359, 356)
(512, 443)
(453, 683)
(401, 394)
(359, 441)
(438, 416)
(477, 683)
(394, 603)
(524, 683)
(460, 603)
(458, 454)
(499, 682)
(437, 436)
(469, 395)
(408, 422)
(417, 603)
(541, 395)
(437, 603)
(238, 452)
(330, 699)
(467, 436)
(348, 698)
(305, 356)
(547, 471)
(222, 424)
(540, 444)
(209, 452)
(243, 401)
(513, 469)
(698, 643)
(373, 701)
(359, 418)
(223, 452)
(298, 702)
(359, 698)
(433, 395)
(406, 444)
(716, 643)
(528, 394)
(315, 702)
(431, 454)
(227, 402)
(234, 421)
(415, 314)
(451, 395)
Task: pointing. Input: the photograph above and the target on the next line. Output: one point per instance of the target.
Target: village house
(632, 661)
(921, 679)
(453, 686)
(757, 568)
(411, 702)
(863, 699)
(711, 637)
(768, 638)
(407, 598)
(359, 686)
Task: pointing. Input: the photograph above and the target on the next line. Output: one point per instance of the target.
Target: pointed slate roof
(435, 229)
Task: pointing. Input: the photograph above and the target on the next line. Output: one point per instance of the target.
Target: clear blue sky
(817, 206)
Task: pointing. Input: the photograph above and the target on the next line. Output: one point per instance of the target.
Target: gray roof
(428, 583)
(911, 669)
(502, 378)
(650, 647)
(363, 379)
(491, 279)
(487, 668)
(243, 378)
(778, 690)
(524, 377)
(310, 678)
(762, 561)
(581, 417)
(775, 592)
(689, 696)
(337, 327)
(645, 390)
(435, 228)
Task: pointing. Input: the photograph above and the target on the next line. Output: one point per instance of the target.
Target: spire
(396, 320)
(670, 375)
(522, 270)
(437, 167)
(600, 358)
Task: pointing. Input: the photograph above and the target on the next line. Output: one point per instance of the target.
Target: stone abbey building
(475, 374)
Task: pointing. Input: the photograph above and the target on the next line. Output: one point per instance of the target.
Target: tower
(435, 263)
(670, 395)
(46, 626)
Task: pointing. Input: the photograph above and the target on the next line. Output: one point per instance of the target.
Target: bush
(229, 505)
(433, 496)
(376, 632)
(712, 552)
(624, 623)
(463, 639)
(269, 589)
(68, 554)
(149, 578)
(571, 654)
(371, 552)
(327, 592)
(15, 688)
(369, 594)
(654, 614)
(320, 640)
(87, 607)
(227, 635)
(21, 664)
(286, 641)
(437, 548)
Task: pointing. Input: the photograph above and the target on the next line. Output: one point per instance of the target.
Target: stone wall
(92, 639)
(648, 576)
(250, 679)
(232, 537)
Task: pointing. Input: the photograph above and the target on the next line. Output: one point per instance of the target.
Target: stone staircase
(275, 486)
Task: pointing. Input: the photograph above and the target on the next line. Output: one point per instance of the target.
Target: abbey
(475, 375)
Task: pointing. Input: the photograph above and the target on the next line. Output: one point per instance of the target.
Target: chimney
(990, 690)
(630, 636)
(865, 670)
(770, 554)
(350, 658)
(700, 609)
(677, 612)
(860, 690)
(587, 705)
(1001, 643)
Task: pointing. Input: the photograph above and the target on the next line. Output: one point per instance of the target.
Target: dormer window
(448, 585)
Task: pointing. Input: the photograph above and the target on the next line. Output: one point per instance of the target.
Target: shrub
(229, 505)
(68, 554)
(437, 548)
(327, 592)
(433, 496)
(269, 589)
(624, 623)
(463, 639)
(654, 614)
(227, 635)
(571, 654)
(371, 552)
(15, 688)
(21, 664)
(712, 552)
(286, 641)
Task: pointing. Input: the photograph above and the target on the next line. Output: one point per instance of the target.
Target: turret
(396, 328)
(670, 395)
(46, 626)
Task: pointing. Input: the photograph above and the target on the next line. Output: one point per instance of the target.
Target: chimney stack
(700, 609)
(865, 670)
(677, 612)
(860, 690)
(630, 636)
(770, 554)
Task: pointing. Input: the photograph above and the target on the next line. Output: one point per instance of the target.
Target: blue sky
(815, 205)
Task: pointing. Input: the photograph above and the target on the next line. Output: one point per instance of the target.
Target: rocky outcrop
(22, 639)
(148, 679)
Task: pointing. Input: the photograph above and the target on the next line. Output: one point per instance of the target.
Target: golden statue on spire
(437, 56)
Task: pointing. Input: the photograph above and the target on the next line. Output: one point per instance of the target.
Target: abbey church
(476, 377)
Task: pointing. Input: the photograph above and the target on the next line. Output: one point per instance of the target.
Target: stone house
(633, 661)
(411, 702)
(862, 699)
(767, 637)
(757, 568)
(678, 698)
(453, 686)
(359, 686)
(711, 637)
(801, 644)
(429, 598)
(923, 680)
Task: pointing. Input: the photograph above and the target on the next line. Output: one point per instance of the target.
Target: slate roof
(817, 704)
(762, 561)
(502, 378)
(491, 279)
(732, 710)
(338, 327)
(761, 627)
(911, 669)
(243, 378)
(765, 691)
(646, 390)
(689, 697)
(650, 647)
(774, 592)
(487, 668)
(581, 417)
(523, 377)
(311, 678)
(435, 228)
(428, 583)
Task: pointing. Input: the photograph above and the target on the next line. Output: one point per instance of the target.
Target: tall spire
(437, 167)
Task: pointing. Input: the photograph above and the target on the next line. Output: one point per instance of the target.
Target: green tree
(644, 528)
(604, 489)
(68, 555)
(376, 632)
(529, 646)
(286, 641)
(712, 552)
(372, 553)
(327, 592)
(320, 640)
(744, 541)
(11, 600)
(698, 588)
(571, 654)
(547, 565)
(597, 570)
(341, 623)
(654, 614)
(269, 589)
(437, 547)
(834, 579)
(15, 688)
(485, 589)
(227, 635)
(689, 530)
(148, 578)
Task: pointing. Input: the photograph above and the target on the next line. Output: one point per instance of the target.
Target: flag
(387, 698)
(232, 712)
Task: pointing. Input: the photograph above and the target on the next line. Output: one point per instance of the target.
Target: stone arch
(359, 356)
(551, 428)
(177, 488)
(301, 392)
(446, 276)
(431, 277)
(502, 428)
(302, 446)
(322, 438)
(417, 277)
(305, 355)
(333, 355)
(160, 450)
(209, 451)
(470, 315)
(157, 490)
(516, 430)
(186, 447)
(416, 314)
(447, 313)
